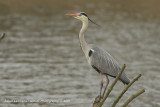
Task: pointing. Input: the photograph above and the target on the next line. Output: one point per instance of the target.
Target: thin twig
(133, 97)
(99, 104)
(125, 89)
(2, 36)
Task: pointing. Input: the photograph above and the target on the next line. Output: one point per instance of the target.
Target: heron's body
(104, 63)
(99, 59)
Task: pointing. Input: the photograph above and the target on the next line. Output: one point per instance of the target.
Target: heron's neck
(83, 43)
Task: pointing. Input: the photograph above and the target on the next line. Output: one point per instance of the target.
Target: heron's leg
(107, 82)
(101, 80)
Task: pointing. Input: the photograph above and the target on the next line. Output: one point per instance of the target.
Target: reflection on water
(41, 59)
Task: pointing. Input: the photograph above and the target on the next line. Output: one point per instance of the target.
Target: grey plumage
(105, 63)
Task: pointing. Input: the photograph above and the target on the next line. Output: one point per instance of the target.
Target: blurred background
(41, 60)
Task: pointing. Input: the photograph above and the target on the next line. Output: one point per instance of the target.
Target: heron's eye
(80, 14)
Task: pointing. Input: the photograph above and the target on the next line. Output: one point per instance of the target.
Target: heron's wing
(104, 62)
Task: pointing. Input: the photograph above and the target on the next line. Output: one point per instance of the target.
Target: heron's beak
(73, 15)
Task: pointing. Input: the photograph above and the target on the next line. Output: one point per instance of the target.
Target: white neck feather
(83, 43)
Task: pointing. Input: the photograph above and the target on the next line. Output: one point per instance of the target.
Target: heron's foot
(98, 99)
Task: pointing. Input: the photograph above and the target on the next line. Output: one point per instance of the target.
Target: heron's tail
(124, 79)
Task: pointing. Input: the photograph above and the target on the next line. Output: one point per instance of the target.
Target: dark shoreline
(48, 7)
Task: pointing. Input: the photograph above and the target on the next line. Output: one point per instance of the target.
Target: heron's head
(81, 16)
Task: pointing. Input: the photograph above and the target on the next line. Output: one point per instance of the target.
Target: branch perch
(113, 84)
(99, 104)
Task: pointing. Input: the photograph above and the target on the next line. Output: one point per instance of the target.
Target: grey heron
(99, 59)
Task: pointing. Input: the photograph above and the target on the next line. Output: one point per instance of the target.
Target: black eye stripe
(82, 13)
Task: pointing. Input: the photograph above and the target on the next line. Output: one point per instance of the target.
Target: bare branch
(99, 104)
(113, 84)
(2, 36)
(125, 89)
(133, 97)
